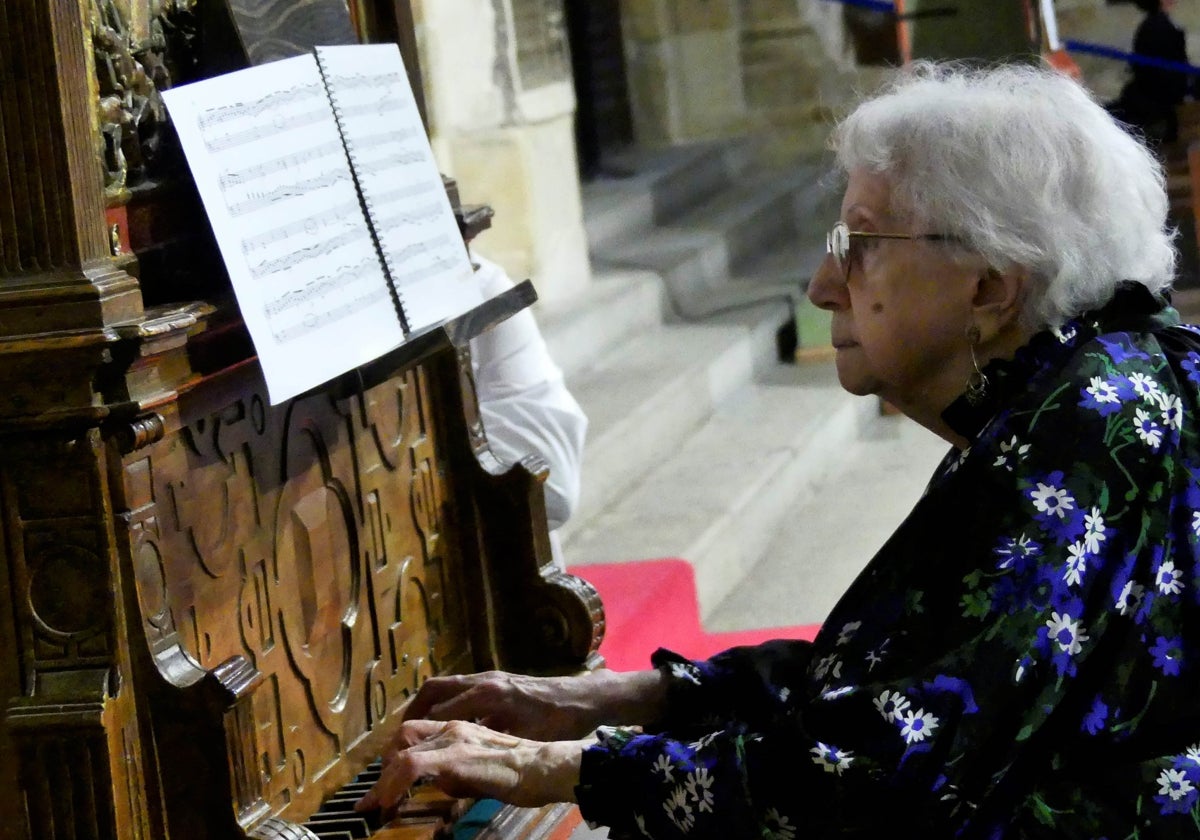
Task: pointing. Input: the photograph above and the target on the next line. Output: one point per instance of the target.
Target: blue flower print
(1120, 349)
(1016, 552)
(1095, 719)
(1192, 365)
(1051, 499)
(1103, 395)
(1168, 653)
(681, 754)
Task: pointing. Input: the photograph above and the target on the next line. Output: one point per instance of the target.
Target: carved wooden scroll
(309, 541)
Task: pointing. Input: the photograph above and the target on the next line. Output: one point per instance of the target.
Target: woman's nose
(827, 288)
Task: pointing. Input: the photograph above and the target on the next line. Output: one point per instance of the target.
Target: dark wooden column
(56, 267)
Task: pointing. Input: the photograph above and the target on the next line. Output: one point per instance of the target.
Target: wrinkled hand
(468, 760)
(540, 708)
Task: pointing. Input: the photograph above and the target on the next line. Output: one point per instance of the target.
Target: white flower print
(891, 704)
(873, 659)
(663, 764)
(686, 670)
(918, 725)
(1094, 530)
(835, 693)
(784, 694)
(1067, 633)
(1103, 391)
(1147, 429)
(828, 665)
(1063, 336)
(1130, 598)
(679, 809)
(704, 740)
(848, 631)
(831, 758)
(1196, 522)
(1011, 451)
(1022, 546)
(1193, 754)
(1076, 564)
(1050, 499)
(1168, 579)
(1144, 386)
(778, 827)
(958, 462)
(1174, 783)
(641, 824)
(698, 786)
(1172, 411)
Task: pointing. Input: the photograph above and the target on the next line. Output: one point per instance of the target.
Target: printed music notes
(400, 183)
(328, 209)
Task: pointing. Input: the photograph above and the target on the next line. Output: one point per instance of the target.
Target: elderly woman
(1020, 658)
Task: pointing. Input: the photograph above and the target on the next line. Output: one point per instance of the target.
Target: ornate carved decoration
(131, 71)
(309, 541)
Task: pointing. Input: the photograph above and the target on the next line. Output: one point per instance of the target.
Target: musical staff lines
(256, 108)
(315, 320)
(307, 227)
(380, 107)
(418, 248)
(280, 126)
(232, 178)
(265, 198)
(439, 265)
(302, 255)
(416, 216)
(383, 138)
(369, 81)
(320, 287)
(400, 193)
(385, 164)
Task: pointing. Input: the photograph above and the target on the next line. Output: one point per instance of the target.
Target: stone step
(835, 525)
(648, 394)
(718, 496)
(714, 240)
(616, 304)
(656, 186)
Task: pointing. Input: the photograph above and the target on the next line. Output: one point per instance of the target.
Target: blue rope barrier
(1131, 58)
(877, 5)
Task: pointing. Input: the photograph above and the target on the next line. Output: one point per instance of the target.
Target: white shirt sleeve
(523, 401)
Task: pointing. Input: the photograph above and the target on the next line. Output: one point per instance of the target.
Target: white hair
(1023, 166)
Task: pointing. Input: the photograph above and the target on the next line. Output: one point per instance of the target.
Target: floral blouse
(1020, 659)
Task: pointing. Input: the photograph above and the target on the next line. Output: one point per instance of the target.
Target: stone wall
(509, 143)
(684, 69)
(799, 73)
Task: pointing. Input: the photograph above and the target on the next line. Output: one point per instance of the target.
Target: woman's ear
(998, 300)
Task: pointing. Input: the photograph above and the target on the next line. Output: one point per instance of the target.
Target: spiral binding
(384, 262)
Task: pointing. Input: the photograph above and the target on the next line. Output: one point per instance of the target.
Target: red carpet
(652, 603)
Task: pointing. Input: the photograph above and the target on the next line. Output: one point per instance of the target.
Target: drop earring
(977, 382)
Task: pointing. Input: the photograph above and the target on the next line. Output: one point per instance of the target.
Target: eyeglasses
(837, 242)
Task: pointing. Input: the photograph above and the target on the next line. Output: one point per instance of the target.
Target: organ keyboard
(213, 609)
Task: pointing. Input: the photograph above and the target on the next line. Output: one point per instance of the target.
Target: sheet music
(264, 149)
(400, 182)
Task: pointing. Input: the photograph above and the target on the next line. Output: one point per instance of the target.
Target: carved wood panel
(308, 539)
(70, 730)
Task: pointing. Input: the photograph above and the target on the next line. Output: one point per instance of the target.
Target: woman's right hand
(542, 708)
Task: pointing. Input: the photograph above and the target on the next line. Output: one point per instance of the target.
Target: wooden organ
(211, 609)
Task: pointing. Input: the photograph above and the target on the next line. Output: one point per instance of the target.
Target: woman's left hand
(466, 759)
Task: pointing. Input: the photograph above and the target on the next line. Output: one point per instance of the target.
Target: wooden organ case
(211, 609)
